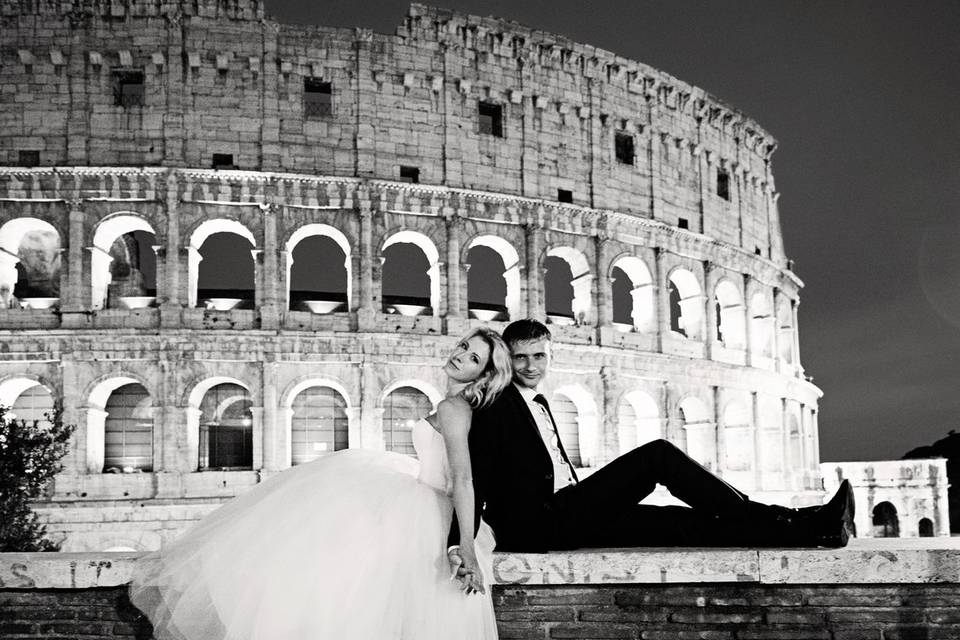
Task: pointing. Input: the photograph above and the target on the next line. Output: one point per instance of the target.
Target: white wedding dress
(349, 547)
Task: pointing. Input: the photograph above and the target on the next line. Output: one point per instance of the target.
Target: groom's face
(531, 360)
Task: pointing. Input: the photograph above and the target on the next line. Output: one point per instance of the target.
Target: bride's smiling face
(468, 360)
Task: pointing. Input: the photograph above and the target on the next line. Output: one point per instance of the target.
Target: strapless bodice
(432, 452)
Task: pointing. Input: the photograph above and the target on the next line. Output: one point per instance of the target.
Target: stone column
(710, 304)
(175, 134)
(368, 307)
(748, 321)
(257, 427)
(610, 427)
(270, 153)
(798, 368)
(454, 227)
(274, 436)
(169, 297)
(74, 297)
(534, 274)
(662, 295)
(604, 291)
(365, 104)
(271, 277)
(757, 449)
(775, 332)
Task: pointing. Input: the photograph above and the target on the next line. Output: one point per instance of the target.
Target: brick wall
(727, 611)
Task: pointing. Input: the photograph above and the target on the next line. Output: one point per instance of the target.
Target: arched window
(886, 523)
(761, 326)
(567, 286)
(638, 420)
(632, 295)
(123, 263)
(32, 404)
(925, 528)
(567, 419)
(226, 272)
(410, 275)
(558, 290)
(128, 430)
(785, 331)
(226, 428)
(30, 263)
(401, 410)
(486, 285)
(319, 424)
(319, 272)
(493, 279)
(730, 316)
(686, 308)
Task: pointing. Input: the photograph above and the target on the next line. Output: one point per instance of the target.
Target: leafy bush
(30, 456)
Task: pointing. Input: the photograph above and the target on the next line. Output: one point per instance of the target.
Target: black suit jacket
(512, 476)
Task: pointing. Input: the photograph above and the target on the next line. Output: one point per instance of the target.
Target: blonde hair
(496, 375)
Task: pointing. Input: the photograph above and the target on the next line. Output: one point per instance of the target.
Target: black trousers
(602, 509)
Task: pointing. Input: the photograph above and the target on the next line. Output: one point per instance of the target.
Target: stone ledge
(892, 561)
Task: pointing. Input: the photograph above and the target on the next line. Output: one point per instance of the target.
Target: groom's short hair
(524, 331)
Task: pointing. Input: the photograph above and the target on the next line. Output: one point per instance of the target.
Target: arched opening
(633, 296)
(318, 270)
(27, 399)
(402, 408)
(410, 275)
(730, 329)
(886, 523)
(761, 326)
(738, 439)
(226, 428)
(638, 420)
(128, 430)
(567, 286)
(686, 304)
(30, 264)
(700, 432)
(319, 424)
(123, 263)
(567, 419)
(785, 331)
(925, 528)
(493, 279)
(221, 266)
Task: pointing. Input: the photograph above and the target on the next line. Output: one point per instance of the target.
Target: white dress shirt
(562, 473)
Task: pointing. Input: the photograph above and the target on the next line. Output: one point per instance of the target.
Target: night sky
(864, 99)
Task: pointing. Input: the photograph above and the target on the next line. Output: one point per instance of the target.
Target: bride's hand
(472, 580)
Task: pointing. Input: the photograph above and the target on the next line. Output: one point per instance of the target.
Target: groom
(528, 492)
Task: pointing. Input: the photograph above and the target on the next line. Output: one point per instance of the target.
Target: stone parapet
(871, 590)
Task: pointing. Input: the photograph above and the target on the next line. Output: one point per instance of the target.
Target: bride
(349, 546)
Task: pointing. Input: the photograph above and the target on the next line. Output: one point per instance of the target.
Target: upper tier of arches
(375, 254)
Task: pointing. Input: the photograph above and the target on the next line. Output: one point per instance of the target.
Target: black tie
(542, 401)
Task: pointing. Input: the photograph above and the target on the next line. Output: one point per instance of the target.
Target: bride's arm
(454, 420)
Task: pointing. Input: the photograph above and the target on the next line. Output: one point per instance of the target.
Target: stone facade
(132, 127)
(895, 498)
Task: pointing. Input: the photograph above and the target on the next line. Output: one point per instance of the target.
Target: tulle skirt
(349, 547)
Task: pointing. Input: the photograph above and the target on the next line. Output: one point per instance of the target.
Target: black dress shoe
(831, 525)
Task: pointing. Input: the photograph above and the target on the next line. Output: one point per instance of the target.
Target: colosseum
(229, 246)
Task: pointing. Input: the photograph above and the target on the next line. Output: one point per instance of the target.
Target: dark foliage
(30, 454)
